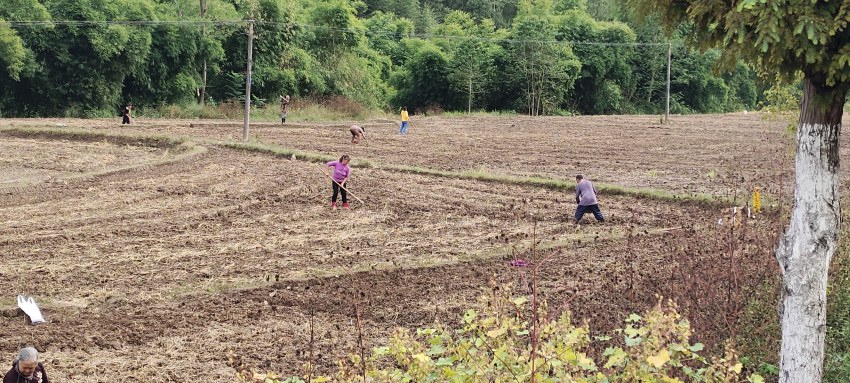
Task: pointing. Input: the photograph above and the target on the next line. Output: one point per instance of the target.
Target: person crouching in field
(341, 172)
(586, 199)
(358, 133)
(26, 368)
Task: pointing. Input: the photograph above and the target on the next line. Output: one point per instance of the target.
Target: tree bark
(805, 250)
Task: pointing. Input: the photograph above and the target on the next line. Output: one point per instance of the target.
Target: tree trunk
(469, 100)
(805, 250)
(204, 83)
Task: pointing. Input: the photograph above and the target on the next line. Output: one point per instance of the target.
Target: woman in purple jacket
(339, 173)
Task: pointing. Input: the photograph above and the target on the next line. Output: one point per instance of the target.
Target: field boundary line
(294, 154)
(477, 175)
(186, 149)
(521, 248)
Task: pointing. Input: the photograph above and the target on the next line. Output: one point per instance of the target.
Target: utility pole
(248, 80)
(204, 33)
(667, 109)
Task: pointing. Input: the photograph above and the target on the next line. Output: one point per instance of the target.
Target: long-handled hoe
(342, 187)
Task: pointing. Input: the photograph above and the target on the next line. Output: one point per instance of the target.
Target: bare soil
(155, 274)
(26, 162)
(710, 154)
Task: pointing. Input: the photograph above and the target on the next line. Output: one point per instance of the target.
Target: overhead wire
(46, 23)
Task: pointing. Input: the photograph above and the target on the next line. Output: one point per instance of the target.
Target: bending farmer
(340, 175)
(586, 199)
(357, 133)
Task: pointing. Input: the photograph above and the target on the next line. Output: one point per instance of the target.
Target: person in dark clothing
(26, 368)
(586, 199)
(284, 107)
(125, 114)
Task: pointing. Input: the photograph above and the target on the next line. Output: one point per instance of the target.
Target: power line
(47, 23)
(42, 23)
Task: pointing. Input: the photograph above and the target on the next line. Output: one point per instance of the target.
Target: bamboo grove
(87, 58)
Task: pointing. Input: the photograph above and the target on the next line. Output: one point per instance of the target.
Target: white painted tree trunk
(806, 248)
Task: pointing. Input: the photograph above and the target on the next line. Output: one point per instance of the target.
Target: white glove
(30, 308)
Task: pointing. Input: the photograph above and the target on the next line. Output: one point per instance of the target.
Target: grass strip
(77, 134)
(478, 175)
(182, 147)
(293, 154)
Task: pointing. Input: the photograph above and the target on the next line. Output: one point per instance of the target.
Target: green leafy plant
(500, 341)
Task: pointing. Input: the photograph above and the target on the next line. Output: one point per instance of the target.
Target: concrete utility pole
(667, 109)
(248, 80)
(204, 75)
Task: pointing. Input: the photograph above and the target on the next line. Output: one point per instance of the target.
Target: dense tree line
(530, 56)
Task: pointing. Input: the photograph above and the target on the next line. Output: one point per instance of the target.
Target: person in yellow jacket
(405, 120)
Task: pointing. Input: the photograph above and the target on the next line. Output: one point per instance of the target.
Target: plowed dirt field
(152, 267)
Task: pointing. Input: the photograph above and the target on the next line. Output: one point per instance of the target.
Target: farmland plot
(159, 272)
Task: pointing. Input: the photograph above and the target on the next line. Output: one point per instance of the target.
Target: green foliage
(605, 69)
(513, 339)
(547, 70)
(782, 102)
(424, 80)
(486, 55)
(775, 36)
(12, 53)
(837, 358)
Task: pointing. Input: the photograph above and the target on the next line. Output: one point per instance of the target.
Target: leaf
(495, 333)
(436, 349)
(616, 359)
(633, 318)
(444, 362)
(520, 301)
(737, 368)
(381, 350)
(659, 359)
(631, 342)
(469, 316)
(755, 378)
(586, 363)
(422, 358)
(696, 347)
(746, 4)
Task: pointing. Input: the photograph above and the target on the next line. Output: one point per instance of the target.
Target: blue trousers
(580, 210)
(403, 129)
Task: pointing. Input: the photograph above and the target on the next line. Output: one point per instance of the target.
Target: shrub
(505, 341)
